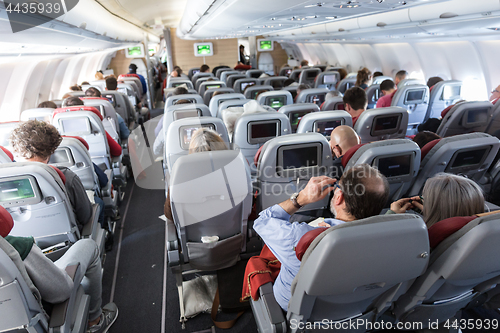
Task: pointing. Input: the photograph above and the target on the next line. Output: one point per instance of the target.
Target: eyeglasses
(336, 186)
(339, 150)
(495, 91)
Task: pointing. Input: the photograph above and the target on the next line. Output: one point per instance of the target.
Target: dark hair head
(423, 138)
(180, 91)
(356, 98)
(47, 104)
(365, 190)
(72, 101)
(111, 83)
(378, 74)
(364, 75)
(93, 92)
(304, 63)
(242, 46)
(303, 86)
(433, 80)
(204, 68)
(85, 83)
(342, 72)
(132, 68)
(179, 71)
(387, 85)
(431, 125)
(401, 75)
(182, 101)
(35, 139)
(75, 87)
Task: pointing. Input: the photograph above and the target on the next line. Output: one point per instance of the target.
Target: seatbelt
(215, 307)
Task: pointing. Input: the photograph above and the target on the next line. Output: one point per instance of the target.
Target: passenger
(177, 91)
(329, 95)
(242, 59)
(36, 141)
(400, 76)
(75, 87)
(51, 279)
(463, 198)
(85, 83)
(377, 74)
(203, 139)
(133, 70)
(347, 205)
(47, 104)
(204, 68)
(304, 63)
(432, 82)
(355, 102)
(99, 75)
(231, 115)
(115, 149)
(342, 139)
(111, 83)
(94, 92)
(301, 87)
(290, 83)
(364, 78)
(495, 95)
(430, 125)
(343, 74)
(388, 89)
(159, 143)
(423, 138)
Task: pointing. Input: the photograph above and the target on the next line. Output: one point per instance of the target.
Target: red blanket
(260, 270)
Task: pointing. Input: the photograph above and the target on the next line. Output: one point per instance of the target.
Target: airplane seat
(5, 155)
(327, 80)
(462, 266)
(230, 80)
(251, 131)
(334, 103)
(120, 103)
(108, 112)
(292, 90)
(207, 85)
(397, 159)
(346, 83)
(286, 164)
(308, 76)
(224, 75)
(40, 207)
(253, 91)
(275, 99)
(410, 82)
(174, 82)
(275, 81)
(210, 92)
(240, 84)
(295, 74)
(23, 303)
(442, 95)
(378, 80)
(217, 101)
(200, 75)
(321, 67)
(395, 251)
(254, 73)
(469, 155)
(40, 114)
(295, 112)
(414, 98)
(324, 122)
(209, 230)
(193, 98)
(466, 117)
(219, 71)
(200, 80)
(382, 124)
(493, 127)
(134, 80)
(373, 93)
(233, 103)
(78, 93)
(193, 71)
(286, 71)
(312, 95)
(6, 129)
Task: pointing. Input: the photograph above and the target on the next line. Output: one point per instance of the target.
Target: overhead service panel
(459, 7)
(384, 19)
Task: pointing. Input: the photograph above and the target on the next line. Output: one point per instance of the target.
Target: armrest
(59, 311)
(71, 271)
(267, 312)
(91, 225)
(106, 190)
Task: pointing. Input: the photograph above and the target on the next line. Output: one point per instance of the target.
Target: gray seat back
(240, 84)
(373, 93)
(217, 101)
(410, 82)
(469, 155)
(41, 114)
(397, 159)
(442, 95)
(346, 83)
(110, 121)
(180, 111)
(194, 98)
(333, 69)
(382, 124)
(321, 67)
(466, 117)
(493, 127)
(327, 80)
(308, 75)
(174, 82)
(224, 75)
(379, 79)
(219, 206)
(295, 112)
(415, 99)
(457, 266)
(200, 80)
(275, 99)
(210, 92)
(323, 122)
(275, 81)
(334, 103)
(394, 251)
(199, 75)
(254, 73)
(193, 71)
(295, 75)
(121, 105)
(204, 86)
(219, 71)
(251, 92)
(313, 95)
(286, 71)
(233, 78)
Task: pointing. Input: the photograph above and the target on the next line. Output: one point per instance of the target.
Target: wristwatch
(293, 199)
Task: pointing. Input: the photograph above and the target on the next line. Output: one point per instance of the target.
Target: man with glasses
(361, 192)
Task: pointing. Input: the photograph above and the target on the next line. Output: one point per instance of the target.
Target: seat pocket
(216, 255)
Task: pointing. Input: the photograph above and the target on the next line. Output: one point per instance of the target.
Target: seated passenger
(203, 139)
(463, 198)
(36, 141)
(342, 139)
(388, 89)
(281, 236)
(430, 125)
(177, 91)
(343, 74)
(115, 149)
(93, 92)
(290, 83)
(204, 68)
(432, 81)
(495, 95)
(355, 102)
(99, 75)
(329, 95)
(423, 138)
(377, 74)
(301, 87)
(51, 279)
(400, 76)
(133, 70)
(75, 87)
(47, 104)
(304, 63)
(364, 78)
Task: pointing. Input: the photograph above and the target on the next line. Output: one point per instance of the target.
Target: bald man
(342, 139)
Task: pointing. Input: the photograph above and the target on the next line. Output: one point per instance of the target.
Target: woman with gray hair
(444, 195)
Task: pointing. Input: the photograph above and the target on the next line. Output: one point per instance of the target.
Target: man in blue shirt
(133, 70)
(361, 192)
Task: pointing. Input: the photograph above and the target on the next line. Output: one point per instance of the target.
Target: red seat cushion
(445, 228)
(306, 240)
(6, 222)
(445, 111)
(347, 156)
(257, 155)
(128, 75)
(82, 140)
(79, 108)
(60, 173)
(427, 148)
(6, 151)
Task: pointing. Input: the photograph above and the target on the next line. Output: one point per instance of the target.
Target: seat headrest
(6, 151)
(257, 156)
(347, 156)
(427, 148)
(6, 222)
(79, 108)
(445, 111)
(91, 98)
(127, 75)
(306, 240)
(445, 228)
(82, 140)
(60, 173)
